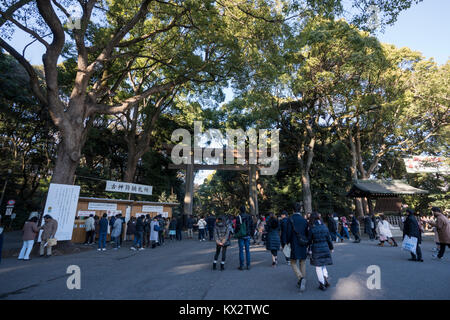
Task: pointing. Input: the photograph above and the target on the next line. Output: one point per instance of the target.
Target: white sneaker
(141, 249)
(133, 248)
(434, 249)
(99, 249)
(435, 256)
(104, 249)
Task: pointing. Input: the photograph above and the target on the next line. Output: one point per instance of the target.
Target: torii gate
(190, 168)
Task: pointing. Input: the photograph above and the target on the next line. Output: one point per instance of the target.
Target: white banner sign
(113, 212)
(165, 214)
(419, 164)
(140, 214)
(85, 213)
(158, 209)
(61, 205)
(102, 206)
(126, 187)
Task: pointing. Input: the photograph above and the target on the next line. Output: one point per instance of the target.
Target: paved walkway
(182, 270)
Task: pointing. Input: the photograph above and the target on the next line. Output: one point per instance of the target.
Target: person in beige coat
(442, 225)
(49, 230)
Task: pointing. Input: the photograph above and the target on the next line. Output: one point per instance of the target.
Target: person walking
(49, 230)
(222, 236)
(297, 238)
(273, 238)
(155, 228)
(190, 227)
(103, 232)
(117, 231)
(355, 228)
(201, 229)
(442, 226)
(146, 234)
(283, 234)
(137, 244)
(344, 229)
(321, 248)
(368, 227)
(384, 231)
(411, 229)
(30, 231)
(332, 228)
(243, 234)
(90, 230)
(374, 226)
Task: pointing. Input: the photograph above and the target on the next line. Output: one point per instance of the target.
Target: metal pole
(3, 192)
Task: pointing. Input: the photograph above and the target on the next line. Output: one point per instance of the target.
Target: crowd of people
(299, 236)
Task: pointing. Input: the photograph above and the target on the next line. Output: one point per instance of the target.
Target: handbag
(156, 227)
(52, 242)
(287, 251)
(409, 244)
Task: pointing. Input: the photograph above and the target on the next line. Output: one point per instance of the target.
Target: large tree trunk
(132, 161)
(68, 156)
(306, 191)
(354, 172)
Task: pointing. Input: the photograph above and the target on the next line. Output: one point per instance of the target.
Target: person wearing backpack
(243, 234)
(297, 238)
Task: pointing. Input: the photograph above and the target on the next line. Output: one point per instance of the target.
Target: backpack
(242, 230)
(302, 240)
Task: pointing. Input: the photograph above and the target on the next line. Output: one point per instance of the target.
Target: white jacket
(201, 224)
(384, 228)
(90, 224)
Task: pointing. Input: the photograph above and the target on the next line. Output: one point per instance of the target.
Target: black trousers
(442, 249)
(90, 236)
(418, 255)
(224, 252)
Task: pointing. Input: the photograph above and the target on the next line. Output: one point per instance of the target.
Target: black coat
(210, 222)
(190, 223)
(283, 228)
(273, 236)
(298, 252)
(332, 226)
(354, 227)
(367, 224)
(320, 241)
(139, 225)
(411, 228)
(248, 223)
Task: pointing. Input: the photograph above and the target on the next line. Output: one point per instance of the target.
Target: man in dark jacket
(211, 223)
(298, 228)
(102, 232)
(112, 220)
(411, 229)
(179, 228)
(354, 227)
(244, 240)
(190, 227)
(283, 227)
(138, 234)
(332, 227)
(368, 227)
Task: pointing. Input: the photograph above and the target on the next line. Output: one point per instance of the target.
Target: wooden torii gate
(190, 168)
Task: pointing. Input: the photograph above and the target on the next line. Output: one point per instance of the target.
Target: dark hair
(47, 216)
(273, 223)
(382, 217)
(297, 207)
(95, 217)
(284, 212)
(242, 209)
(410, 211)
(436, 209)
(105, 215)
(314, 217)
(34, 219)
